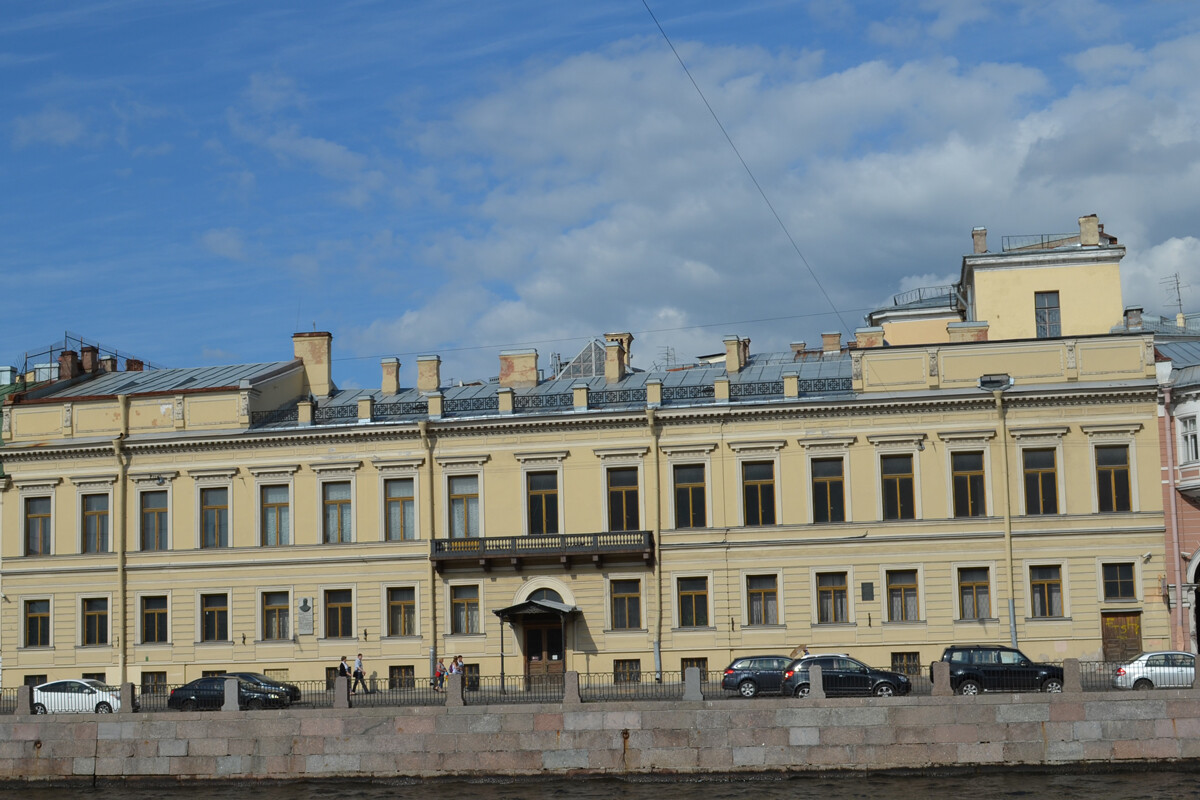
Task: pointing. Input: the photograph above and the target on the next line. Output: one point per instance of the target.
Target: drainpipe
(1008, 547)
(656, 532)
(427, 441)
(1173, 554)
(119, 527)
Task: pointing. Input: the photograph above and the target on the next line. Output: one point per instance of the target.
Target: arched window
(546, 594)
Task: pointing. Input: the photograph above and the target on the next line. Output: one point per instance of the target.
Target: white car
(76, 696)
(1170, 669)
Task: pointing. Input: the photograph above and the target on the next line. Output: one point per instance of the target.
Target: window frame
(984, 506)
(817, 594)
(688, 491)
(81, 602)
(543, 497)
(272, 476)
(341, 536)
(385, 595)
(747, 598)
(899, 479)
(1134, 580)
(1060, 501)
(1030, 566)
(399, 469)
(208, 507)
(162, 532)
(336, 472)
(204, 481)
(1112, 475)
(1189, 438)
(452, 496)
(263, 616)
(1051, 326)
(105, 538)
(24, 601)
(1115, 435)
(827, 483)
(677, 600)
(452, 604)
(611, 605)
(407, 532)
(621, 458)
(744, 485)
(140, 598)
(624, 493)
(689, 455)
(898, 444)
(886, 592)
(45, 536)
(956, 573)
(202, 609)
(325, 592)
(828, 448)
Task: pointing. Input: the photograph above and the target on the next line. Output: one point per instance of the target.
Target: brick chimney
(979, 239)
(315, 350)
(90, 357)
(868, 337)
(733, 354)
(108, 364)
(1089, 231)
(831, 342)
(134, 365)
(518, 368)
(614, 360)
(68, 365)
(429, 373)
(798, 350)
(1133, 318)
(626, 342)
(391, 376)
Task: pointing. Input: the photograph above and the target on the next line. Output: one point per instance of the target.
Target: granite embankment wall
(694, 736)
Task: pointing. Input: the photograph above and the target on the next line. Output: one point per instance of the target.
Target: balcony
(568, 550)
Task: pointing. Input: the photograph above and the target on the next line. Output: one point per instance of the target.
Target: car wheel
(748, 688)
(103, 708)
(188, 705)
(38, 708)
(885, 690)
(1052, 685)
(802, 690)
(968, 687)
(256, 704)
(1143, 684)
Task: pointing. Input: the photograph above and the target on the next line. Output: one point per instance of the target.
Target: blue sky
(192, 182)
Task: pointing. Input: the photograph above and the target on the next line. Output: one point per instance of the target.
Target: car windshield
(95, 684)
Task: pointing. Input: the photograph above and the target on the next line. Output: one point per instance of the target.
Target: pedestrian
(456, 666)
(360, 676)
(439, 676)
(343, 669)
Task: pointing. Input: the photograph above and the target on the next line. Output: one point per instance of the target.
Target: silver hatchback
(1169, 669)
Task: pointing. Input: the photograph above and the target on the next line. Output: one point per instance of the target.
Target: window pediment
(336, 468)
(1118, 431)
(155, 478)
(1050, 434)
(283, 471)
(688, 449)
(616, 454)
(398, 465)
(761, 447)
(822, 444)
(464, 461)
(546, 458)
(36, 484)
(94, 481)
(914, 440)
(967, 437)
(215, 475)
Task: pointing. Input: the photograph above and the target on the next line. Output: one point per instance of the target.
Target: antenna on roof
(1174, 291)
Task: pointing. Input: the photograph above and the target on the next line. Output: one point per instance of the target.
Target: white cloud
(226, 243)
(1149, 275)
(49, 126)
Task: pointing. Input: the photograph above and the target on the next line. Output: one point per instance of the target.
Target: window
(399, 511)
(1112, 478)
(276, 513)
(828, 490)
(37, 623)
(402, 611)
(402, 676)
(831, 598)
(973, 600)
(214, 518)
(214, 618)
(35, 679)
(464, 506)
(1041, 482)
(154, 683)
(335, 500)
(693, 602)
(690, 505)
(699, 663)
(1046, 312)
(464, 609)
(95, 524)
(339, 612)
(762, 599)
(1190, 440)
(897, 479)
(902, 596)
(95, 621)
(154, 520)
(627, 670)
(37, 526)
(276, 616)
(1045, 588)
(907, 663)
(626, 604)
(623, 499)
(1118, 582)
(154, 620)
(758, 492)
(967, 475)
(543, 502)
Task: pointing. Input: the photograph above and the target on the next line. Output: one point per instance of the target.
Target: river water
(1059, 784)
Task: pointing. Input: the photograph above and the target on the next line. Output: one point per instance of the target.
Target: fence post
(127, 698)
(816, 683)
(941, 679)
(691, 684)
(341, 691)
(1072, 676)
(231, 695)
(25, 700)
(571, 695)
(454, 689)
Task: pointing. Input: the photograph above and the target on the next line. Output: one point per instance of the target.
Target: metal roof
(1182, 353)
(168, 380)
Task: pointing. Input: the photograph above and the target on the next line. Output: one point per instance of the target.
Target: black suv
(207, 694)
(843, 676)
(750, 675)
(976, 668)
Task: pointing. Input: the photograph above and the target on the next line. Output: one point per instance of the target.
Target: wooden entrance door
(544, 651)
(1122, 635)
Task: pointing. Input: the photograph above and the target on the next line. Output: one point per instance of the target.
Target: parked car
(1162, 670)
(290, 689)
(842, 676)
(979, 668)
(209, 694)
(82, 696)
(750, 675)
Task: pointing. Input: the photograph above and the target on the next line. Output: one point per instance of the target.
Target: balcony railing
(569, 548)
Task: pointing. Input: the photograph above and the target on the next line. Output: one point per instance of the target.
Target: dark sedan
(208, 694)
(842, 676)
(750, 675)
(290, 689)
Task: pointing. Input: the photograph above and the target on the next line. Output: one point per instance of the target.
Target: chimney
(519, 368)
(429, 373)
(979, 238)
(90, 358)
(108, 364)
(626, 342)
(614, 360)
(744, 354)
(798, 350)
(391, 376)
(315, 350)
(1089, 231)
(831, 342)
(868, 337)
(1133, 318)
(733, 354)
(68, 365)
(133, 365)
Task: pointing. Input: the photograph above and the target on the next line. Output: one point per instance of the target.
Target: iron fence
(8, 701)
(481, 690)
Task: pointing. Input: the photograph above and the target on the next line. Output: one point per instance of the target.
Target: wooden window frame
(403, 611)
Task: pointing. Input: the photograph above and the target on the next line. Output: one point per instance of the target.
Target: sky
(193, 182)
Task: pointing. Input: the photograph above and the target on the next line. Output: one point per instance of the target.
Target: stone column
(25, 700)
(571, 696)
(231, 695)
(128, 695)
(1072, 677)
(816, 683)
(454, 689)
(941, 679)
(691, 684)
(341, 692)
